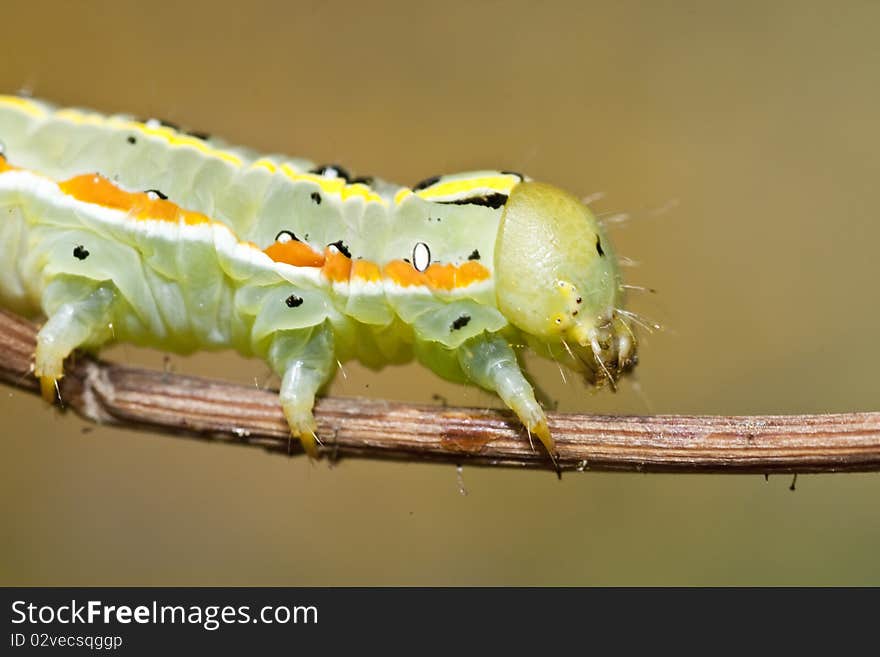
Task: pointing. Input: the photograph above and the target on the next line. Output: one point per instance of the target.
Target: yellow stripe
(24, 104)
(362, 190)
(335, 186)
(266, 164)
(462, 188)
(169, 135)
(289, 171)
(75, 116)
(174, 138)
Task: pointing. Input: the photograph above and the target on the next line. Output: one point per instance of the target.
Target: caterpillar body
(115, 228)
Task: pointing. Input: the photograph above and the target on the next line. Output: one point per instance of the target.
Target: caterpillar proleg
(114, 228)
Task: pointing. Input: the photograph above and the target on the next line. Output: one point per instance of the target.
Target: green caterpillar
(120, 229)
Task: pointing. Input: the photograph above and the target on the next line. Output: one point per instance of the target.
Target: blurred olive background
(742, 137)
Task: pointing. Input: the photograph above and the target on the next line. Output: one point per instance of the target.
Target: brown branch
(182, 405)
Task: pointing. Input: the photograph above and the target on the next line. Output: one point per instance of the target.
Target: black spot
(513, 173)
(80, 252)
(362, 180)
(599, 246)
(406, 260)
(162, 196)
(427, 182)
(578, 300)
(293, 301)
(288, 233)
(495, 200)
(204, 136)
(474, 256)
(132, 139)
(460, 322)
(342, 248)
(316, 197)
(331, 171)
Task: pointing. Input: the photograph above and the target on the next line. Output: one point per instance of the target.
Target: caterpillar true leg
(72, 325)
(305, 360)
(490, 362)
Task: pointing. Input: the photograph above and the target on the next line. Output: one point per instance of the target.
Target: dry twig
(187, 406)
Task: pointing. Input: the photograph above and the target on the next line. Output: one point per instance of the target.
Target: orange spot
(93, 188)
(4, 165)
(470, 272)
(437, 276)
(441, 277)
(337, 267)
(404, 274)
(298, 254)
(366, 270)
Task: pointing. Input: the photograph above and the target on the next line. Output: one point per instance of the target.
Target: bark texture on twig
(182, 405)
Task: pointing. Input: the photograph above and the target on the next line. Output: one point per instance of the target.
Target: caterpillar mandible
(115, 228)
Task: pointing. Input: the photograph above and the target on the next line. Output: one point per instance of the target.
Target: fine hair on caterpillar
(134, 230)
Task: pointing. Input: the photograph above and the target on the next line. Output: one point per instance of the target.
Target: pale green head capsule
(557, 280)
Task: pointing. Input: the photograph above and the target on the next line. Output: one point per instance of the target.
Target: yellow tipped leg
(306, 361)
(69, 327)
(49, 388)
(49, 364)
(302, 427)
(522, 402)
(490, 362)
(309, 442)
(542, 431)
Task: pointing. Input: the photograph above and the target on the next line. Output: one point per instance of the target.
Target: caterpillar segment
(114, 228)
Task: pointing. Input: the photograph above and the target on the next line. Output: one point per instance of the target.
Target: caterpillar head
(557, 280)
